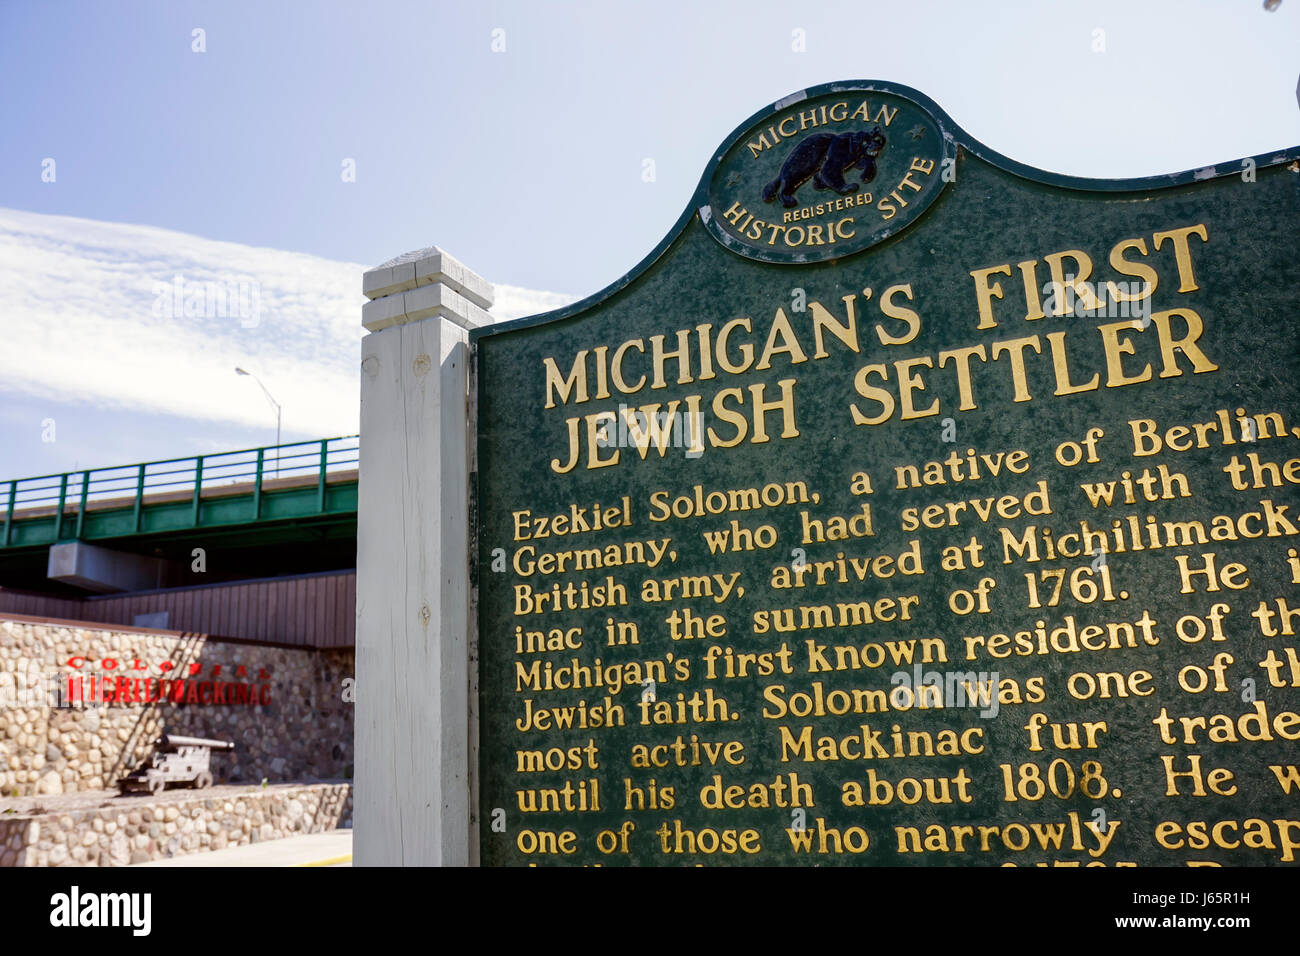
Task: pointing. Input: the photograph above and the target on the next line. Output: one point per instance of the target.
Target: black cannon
(175, 760)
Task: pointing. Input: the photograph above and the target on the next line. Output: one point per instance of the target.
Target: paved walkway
(332, 848)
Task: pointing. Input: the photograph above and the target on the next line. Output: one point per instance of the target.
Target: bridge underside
(201, 524)
(323, 543)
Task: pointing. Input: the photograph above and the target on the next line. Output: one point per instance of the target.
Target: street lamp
(271, 399)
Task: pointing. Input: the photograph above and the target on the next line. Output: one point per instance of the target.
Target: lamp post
(271, 399)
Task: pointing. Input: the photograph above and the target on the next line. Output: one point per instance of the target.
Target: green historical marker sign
(824, 176)
(905, 506)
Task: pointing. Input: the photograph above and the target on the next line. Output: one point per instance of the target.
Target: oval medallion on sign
(824, 177)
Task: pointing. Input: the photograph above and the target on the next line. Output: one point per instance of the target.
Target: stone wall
(282, 707)
(116, 831)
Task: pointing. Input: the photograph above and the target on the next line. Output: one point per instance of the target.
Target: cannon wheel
(157, 785)
(203, 781)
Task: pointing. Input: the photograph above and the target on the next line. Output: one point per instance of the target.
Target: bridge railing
(129, 485)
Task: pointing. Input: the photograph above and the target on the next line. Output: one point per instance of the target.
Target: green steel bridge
(277, 509)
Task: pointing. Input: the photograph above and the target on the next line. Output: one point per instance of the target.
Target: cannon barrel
(171, 742)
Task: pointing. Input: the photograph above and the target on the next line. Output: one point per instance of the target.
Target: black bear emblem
(824, 157)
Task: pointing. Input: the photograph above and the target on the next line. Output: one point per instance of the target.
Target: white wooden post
(416, 740)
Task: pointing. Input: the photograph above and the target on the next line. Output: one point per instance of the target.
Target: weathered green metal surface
(218, 491)
(1076, 761)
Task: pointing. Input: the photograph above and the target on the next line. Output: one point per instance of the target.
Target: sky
(283, 147)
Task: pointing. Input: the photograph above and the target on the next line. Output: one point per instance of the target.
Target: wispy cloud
(94, 313)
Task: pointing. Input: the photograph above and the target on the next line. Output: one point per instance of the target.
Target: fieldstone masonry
(303, 731)
(104, 830)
